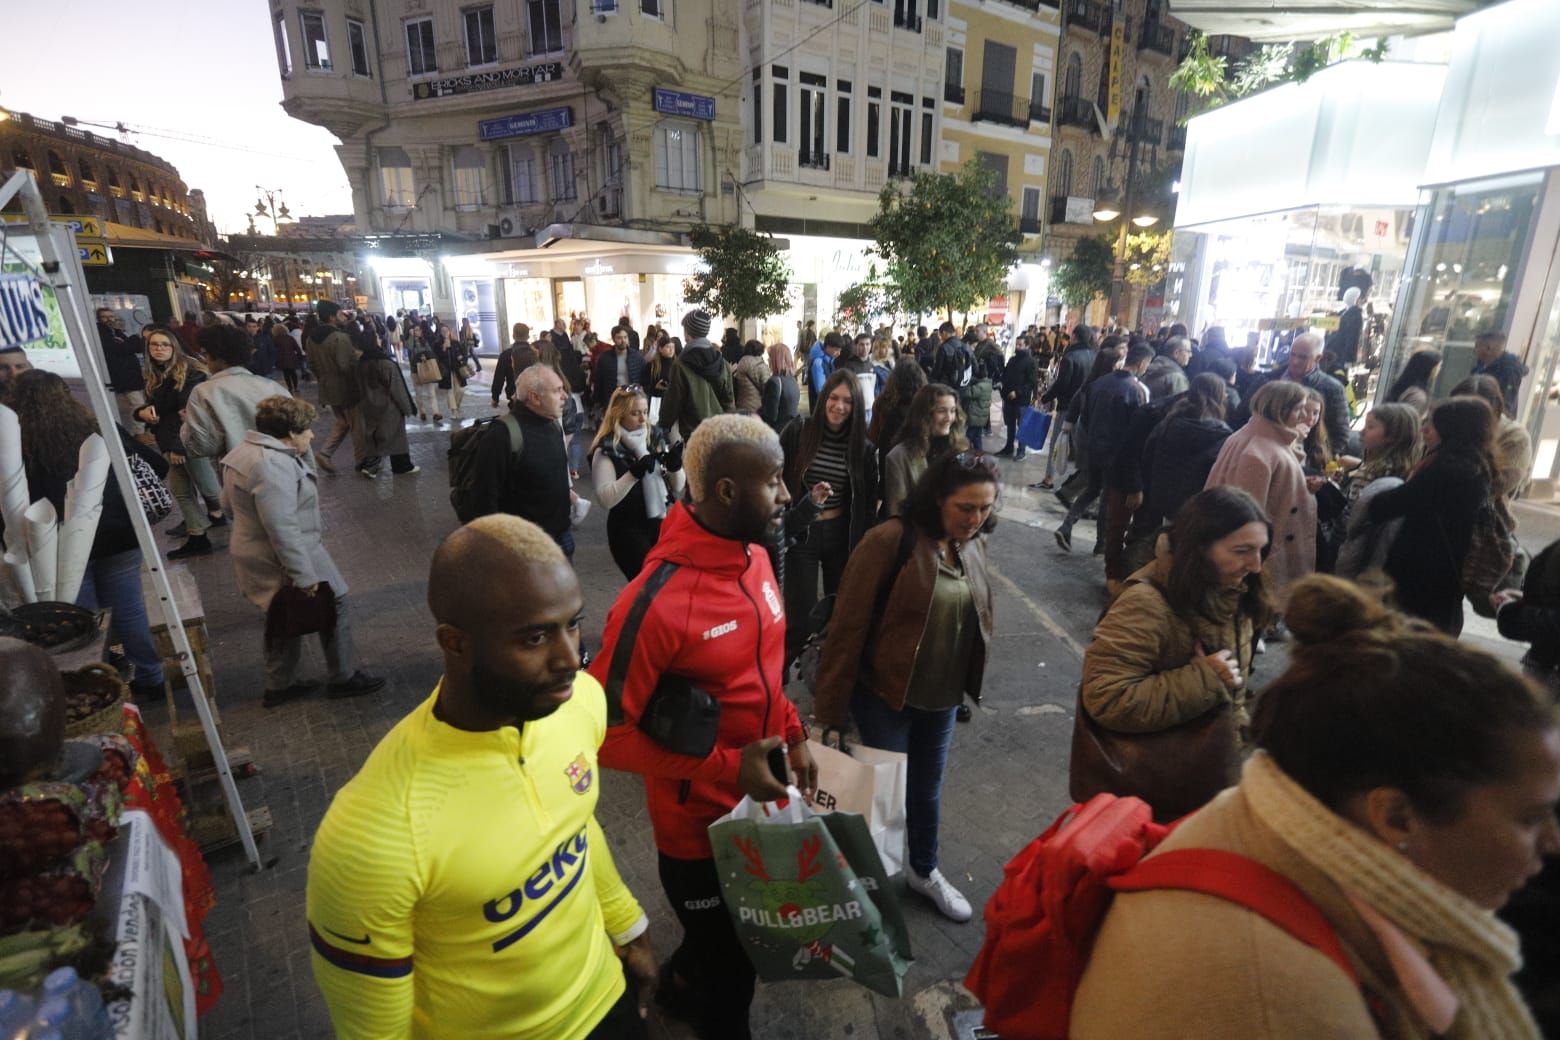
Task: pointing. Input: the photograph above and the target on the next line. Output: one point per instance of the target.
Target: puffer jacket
(1139, 675)
(1164, 378)
(748, 380)
(1177, 460)
(880, 652)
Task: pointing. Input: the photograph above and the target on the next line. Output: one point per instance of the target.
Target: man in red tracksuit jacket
(718, 622)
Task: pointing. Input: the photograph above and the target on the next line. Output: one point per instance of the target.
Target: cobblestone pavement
(1006, 778)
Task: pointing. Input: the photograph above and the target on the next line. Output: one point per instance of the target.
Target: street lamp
(266, 206)
(1107, 208)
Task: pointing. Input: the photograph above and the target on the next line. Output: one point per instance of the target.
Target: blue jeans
(115, 582)
(924, 736)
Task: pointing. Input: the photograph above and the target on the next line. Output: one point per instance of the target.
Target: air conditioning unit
(506, 226)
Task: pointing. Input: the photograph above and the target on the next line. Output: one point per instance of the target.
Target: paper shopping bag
(870, 782)
(808, 895)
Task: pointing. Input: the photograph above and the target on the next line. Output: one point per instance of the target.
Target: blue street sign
(676, 103)
(545, 121)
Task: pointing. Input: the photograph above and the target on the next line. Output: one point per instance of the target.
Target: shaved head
(474, 559)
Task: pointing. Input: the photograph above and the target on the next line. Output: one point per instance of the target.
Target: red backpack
(1041, 922)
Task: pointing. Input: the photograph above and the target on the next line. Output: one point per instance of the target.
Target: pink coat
(1259, 458)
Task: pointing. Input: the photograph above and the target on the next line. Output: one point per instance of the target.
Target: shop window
(1064, 171)
(811, 100)
(316, 49)
(842, 116)
(560, 170)
(88, 179)
(357, 44)
(780, 113)
(481, 36)
(420, 57)
(58, 171)
(22, 160)
(677, 157)
(546, 29)
(468, 178)
(395, 178)
(283, 52)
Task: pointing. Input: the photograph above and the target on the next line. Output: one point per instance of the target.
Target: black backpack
(463, 463)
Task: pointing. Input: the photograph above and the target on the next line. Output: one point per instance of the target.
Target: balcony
(1077, 111)
(905, 20)
(992, 106)
(1039, 111)
(1157, 37)
(1029, 225)
(1087, 14)
(1150, 131)
(820, 3)
(1082, 210)
(953, 93)
(1176, 142)
(816, 161)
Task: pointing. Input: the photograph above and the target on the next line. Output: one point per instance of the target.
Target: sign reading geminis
(544, 121)
(478, 81)
(677, 103)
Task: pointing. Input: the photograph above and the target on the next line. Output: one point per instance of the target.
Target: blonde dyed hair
(612, 422)
(722, 431)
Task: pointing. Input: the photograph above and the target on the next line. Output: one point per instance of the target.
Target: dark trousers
(566, 542)
(1117, 521)
(826, 548)
(290, 377)
(710, 963)
(1012, 412)
(1090, 493)
(630, 537)
(401, 463)
(622, 1021)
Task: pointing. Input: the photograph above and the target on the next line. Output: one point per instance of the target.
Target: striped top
(832, 463)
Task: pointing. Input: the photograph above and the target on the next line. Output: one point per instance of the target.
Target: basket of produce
(57, 627)
(94, 696)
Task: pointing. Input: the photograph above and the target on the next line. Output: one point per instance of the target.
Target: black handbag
(681, 717)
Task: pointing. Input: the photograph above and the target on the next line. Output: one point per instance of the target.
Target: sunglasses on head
(976, 460)
(631, 388)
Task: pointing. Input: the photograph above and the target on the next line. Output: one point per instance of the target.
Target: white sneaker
(935, 887)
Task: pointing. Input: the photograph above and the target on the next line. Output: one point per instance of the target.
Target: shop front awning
(1356, 134)
(1277, 21)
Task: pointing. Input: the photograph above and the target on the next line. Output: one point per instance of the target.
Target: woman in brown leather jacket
(908, 641)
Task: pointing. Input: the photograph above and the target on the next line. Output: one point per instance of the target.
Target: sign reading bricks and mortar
(475, 82)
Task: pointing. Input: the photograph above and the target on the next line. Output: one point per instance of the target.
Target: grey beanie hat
(696, 323)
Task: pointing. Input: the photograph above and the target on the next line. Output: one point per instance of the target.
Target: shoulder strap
(1245, 882)
(516, 435)
(628, 635)
(901, 557)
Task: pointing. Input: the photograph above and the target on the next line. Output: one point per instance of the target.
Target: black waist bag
(680, 717)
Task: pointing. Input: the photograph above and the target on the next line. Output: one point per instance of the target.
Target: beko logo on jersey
(556, 876)
(720, 630)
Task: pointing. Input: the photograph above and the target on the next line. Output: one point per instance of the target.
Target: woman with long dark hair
(1390, 442)
(170, 376)
(659, 371)
(933, 426)
(636, 474)
(782, 396)
(893, 405)
(1180, 453)
(1439, 505)
(910, 639)
(831, 447)
(53, 426)
(1414, 384)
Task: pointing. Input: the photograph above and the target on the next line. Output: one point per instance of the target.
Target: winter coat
(1535, 618)
(718, 623)
(332, 358)
(115, 530)
(1139, 673)
(122, 360)
(1507, 370)
(289, 356)
(1335, 401)
(277, 532)
(605, 382)
(262, 362)
(1366, 544)
(574, 376)
(781, 402)
(1439, 505)
(863, 479)
(222, 409)
(1177, 459)
(879, 652)
(819, 367)
(1164, 378)
(954, 365)
(169, 400)
(975, 399)
(1020, 379)
(748, 380)
(383, 405)
(699, 388)
(1259, 458)
(1071, 373)
(535, 484)
(519, 357)
(1107, 414)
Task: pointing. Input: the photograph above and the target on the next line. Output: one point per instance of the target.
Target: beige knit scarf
(1469, 948)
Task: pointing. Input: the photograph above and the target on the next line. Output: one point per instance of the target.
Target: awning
(123, 236)
(1277, 21)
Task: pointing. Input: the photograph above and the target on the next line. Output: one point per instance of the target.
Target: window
(611, 152)
(135, 189)
(1072, 85)
(546, 30)
(779, 114)
(931, 9)
(88, 179)
(652, 8)
(842, 117)
(113, 178)
(316, 52)
(21, 160)
(953, 76)
(357, 45)
(468, 178)
(1064, 174)
(58, 171)
(758, 106)
(1039, 100)
(926, 138)
(810, 106)
(64, 206)
(524, 186)
(899, 115)
(420, 57)
(283, 55)
(1097, 176)
(395, 178)
(677, 157)
(874, 116)
(1029, 212)
(481, 39)
(560, 170)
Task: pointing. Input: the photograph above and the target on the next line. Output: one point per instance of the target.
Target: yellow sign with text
(85, 227)
(1118, 57)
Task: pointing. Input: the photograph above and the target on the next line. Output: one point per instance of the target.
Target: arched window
(64, 205)
(1072, 85)
(87, 176)
(58, 171)
(135, 188)
(113, 179)
(1064, 163)
(1097, 176)
(22, 160)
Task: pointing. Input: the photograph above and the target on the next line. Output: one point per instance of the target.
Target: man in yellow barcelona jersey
(459, 885)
